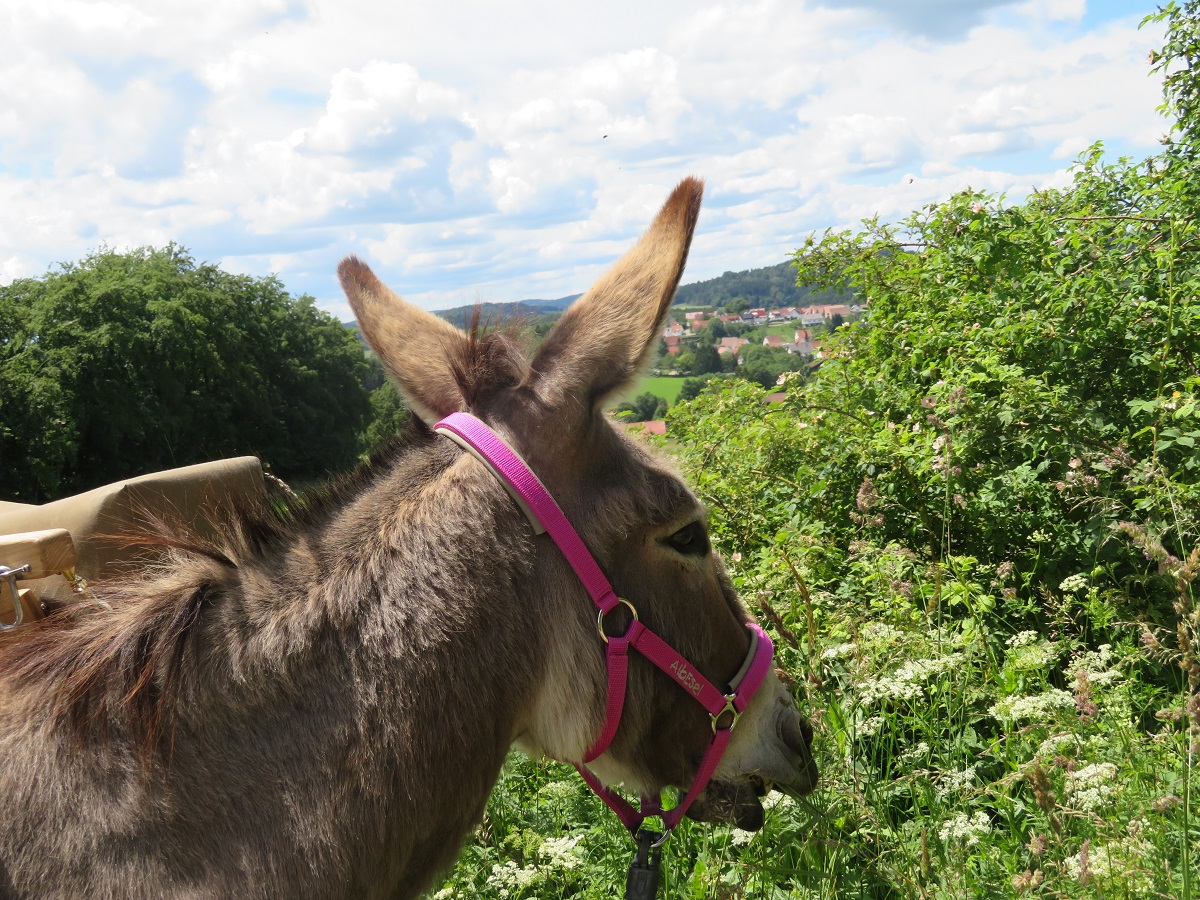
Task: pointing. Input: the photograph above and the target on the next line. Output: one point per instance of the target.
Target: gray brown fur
(320, 707)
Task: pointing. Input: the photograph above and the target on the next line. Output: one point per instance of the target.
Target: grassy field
(665, 386)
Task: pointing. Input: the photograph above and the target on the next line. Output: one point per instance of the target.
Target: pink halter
(546, 517)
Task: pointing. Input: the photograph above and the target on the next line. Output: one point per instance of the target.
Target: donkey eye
(690, 539)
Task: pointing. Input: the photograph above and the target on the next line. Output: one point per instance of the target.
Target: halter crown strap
(533, 498)
(547, 517)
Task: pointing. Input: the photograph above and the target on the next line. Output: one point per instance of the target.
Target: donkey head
(644, 527)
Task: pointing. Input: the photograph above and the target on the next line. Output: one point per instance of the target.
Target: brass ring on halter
(600, 617)
(728, 708)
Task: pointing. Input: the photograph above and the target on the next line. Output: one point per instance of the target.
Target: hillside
(770, 286)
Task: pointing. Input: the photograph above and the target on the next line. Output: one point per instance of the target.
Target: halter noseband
(723, 708)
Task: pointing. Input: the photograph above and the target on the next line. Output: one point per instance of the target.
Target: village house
(731, 345)
(673, 329)
(811, 318)
(829, 310)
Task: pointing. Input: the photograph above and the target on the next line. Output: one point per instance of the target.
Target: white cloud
(519, 155)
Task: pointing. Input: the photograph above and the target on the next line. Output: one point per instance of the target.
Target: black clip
(642, 881)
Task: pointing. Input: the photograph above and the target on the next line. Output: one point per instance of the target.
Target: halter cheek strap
(723, 708)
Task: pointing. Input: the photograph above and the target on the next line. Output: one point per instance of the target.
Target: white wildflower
(1037, 708)
(510, 879)
(778, 800)
(1092, 786)
(882, 633)
(1023, 638)
(1073, 583)
(1029, 652)
(558, 853)
(953, 782)
(965, 830)
(896, 688)
(1053, 746)
(836, 652)
(1115, 868)
(870, 727)
(740, 838)
(907, 682)
(1098, 664)
(916, 753)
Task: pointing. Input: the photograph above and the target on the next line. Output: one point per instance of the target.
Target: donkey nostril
(796, 733)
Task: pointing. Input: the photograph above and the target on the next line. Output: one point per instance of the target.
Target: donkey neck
(401, 631)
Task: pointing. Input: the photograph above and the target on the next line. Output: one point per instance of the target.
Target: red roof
(657, 426)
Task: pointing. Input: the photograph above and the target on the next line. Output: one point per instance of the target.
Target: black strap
(642, 881)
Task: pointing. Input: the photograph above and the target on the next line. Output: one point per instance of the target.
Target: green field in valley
(665, 386)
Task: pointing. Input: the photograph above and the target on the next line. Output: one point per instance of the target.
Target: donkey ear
(414, 346)
(601, 344)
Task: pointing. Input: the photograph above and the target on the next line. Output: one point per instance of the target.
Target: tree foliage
(126, 363)
(645, 407)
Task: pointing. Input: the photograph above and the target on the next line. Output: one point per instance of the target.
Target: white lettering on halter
(685, 677)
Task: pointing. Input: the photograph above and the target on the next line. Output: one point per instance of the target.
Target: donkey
(319, 706)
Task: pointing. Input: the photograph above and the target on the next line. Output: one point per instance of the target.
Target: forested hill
(518, 309)
(771, 286)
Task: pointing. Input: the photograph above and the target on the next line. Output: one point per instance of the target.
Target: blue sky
(473, 150)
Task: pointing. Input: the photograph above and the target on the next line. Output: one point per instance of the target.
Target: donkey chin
(771, 750)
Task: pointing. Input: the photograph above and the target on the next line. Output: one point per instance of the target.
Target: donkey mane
(124, 662)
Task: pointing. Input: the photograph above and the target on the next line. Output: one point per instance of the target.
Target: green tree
(692, 387)
(685, 361)
(705, 360)
(645, 407)
(126, 363)
(389, 415)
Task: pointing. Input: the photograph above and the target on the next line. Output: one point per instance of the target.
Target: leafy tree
(685, 361)
(763, 365)
(705, 360)
(692, 387)
(126, 363)
(646, 407)
(388, 416)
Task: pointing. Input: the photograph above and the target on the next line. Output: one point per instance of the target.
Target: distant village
(742, 344)
(803, 341)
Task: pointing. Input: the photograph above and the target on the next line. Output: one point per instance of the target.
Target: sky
(475, 150)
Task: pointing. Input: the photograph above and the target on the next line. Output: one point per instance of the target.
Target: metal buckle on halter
(600, 618)
(727, 708)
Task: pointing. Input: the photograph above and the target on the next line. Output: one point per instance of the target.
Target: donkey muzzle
(773, 753)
